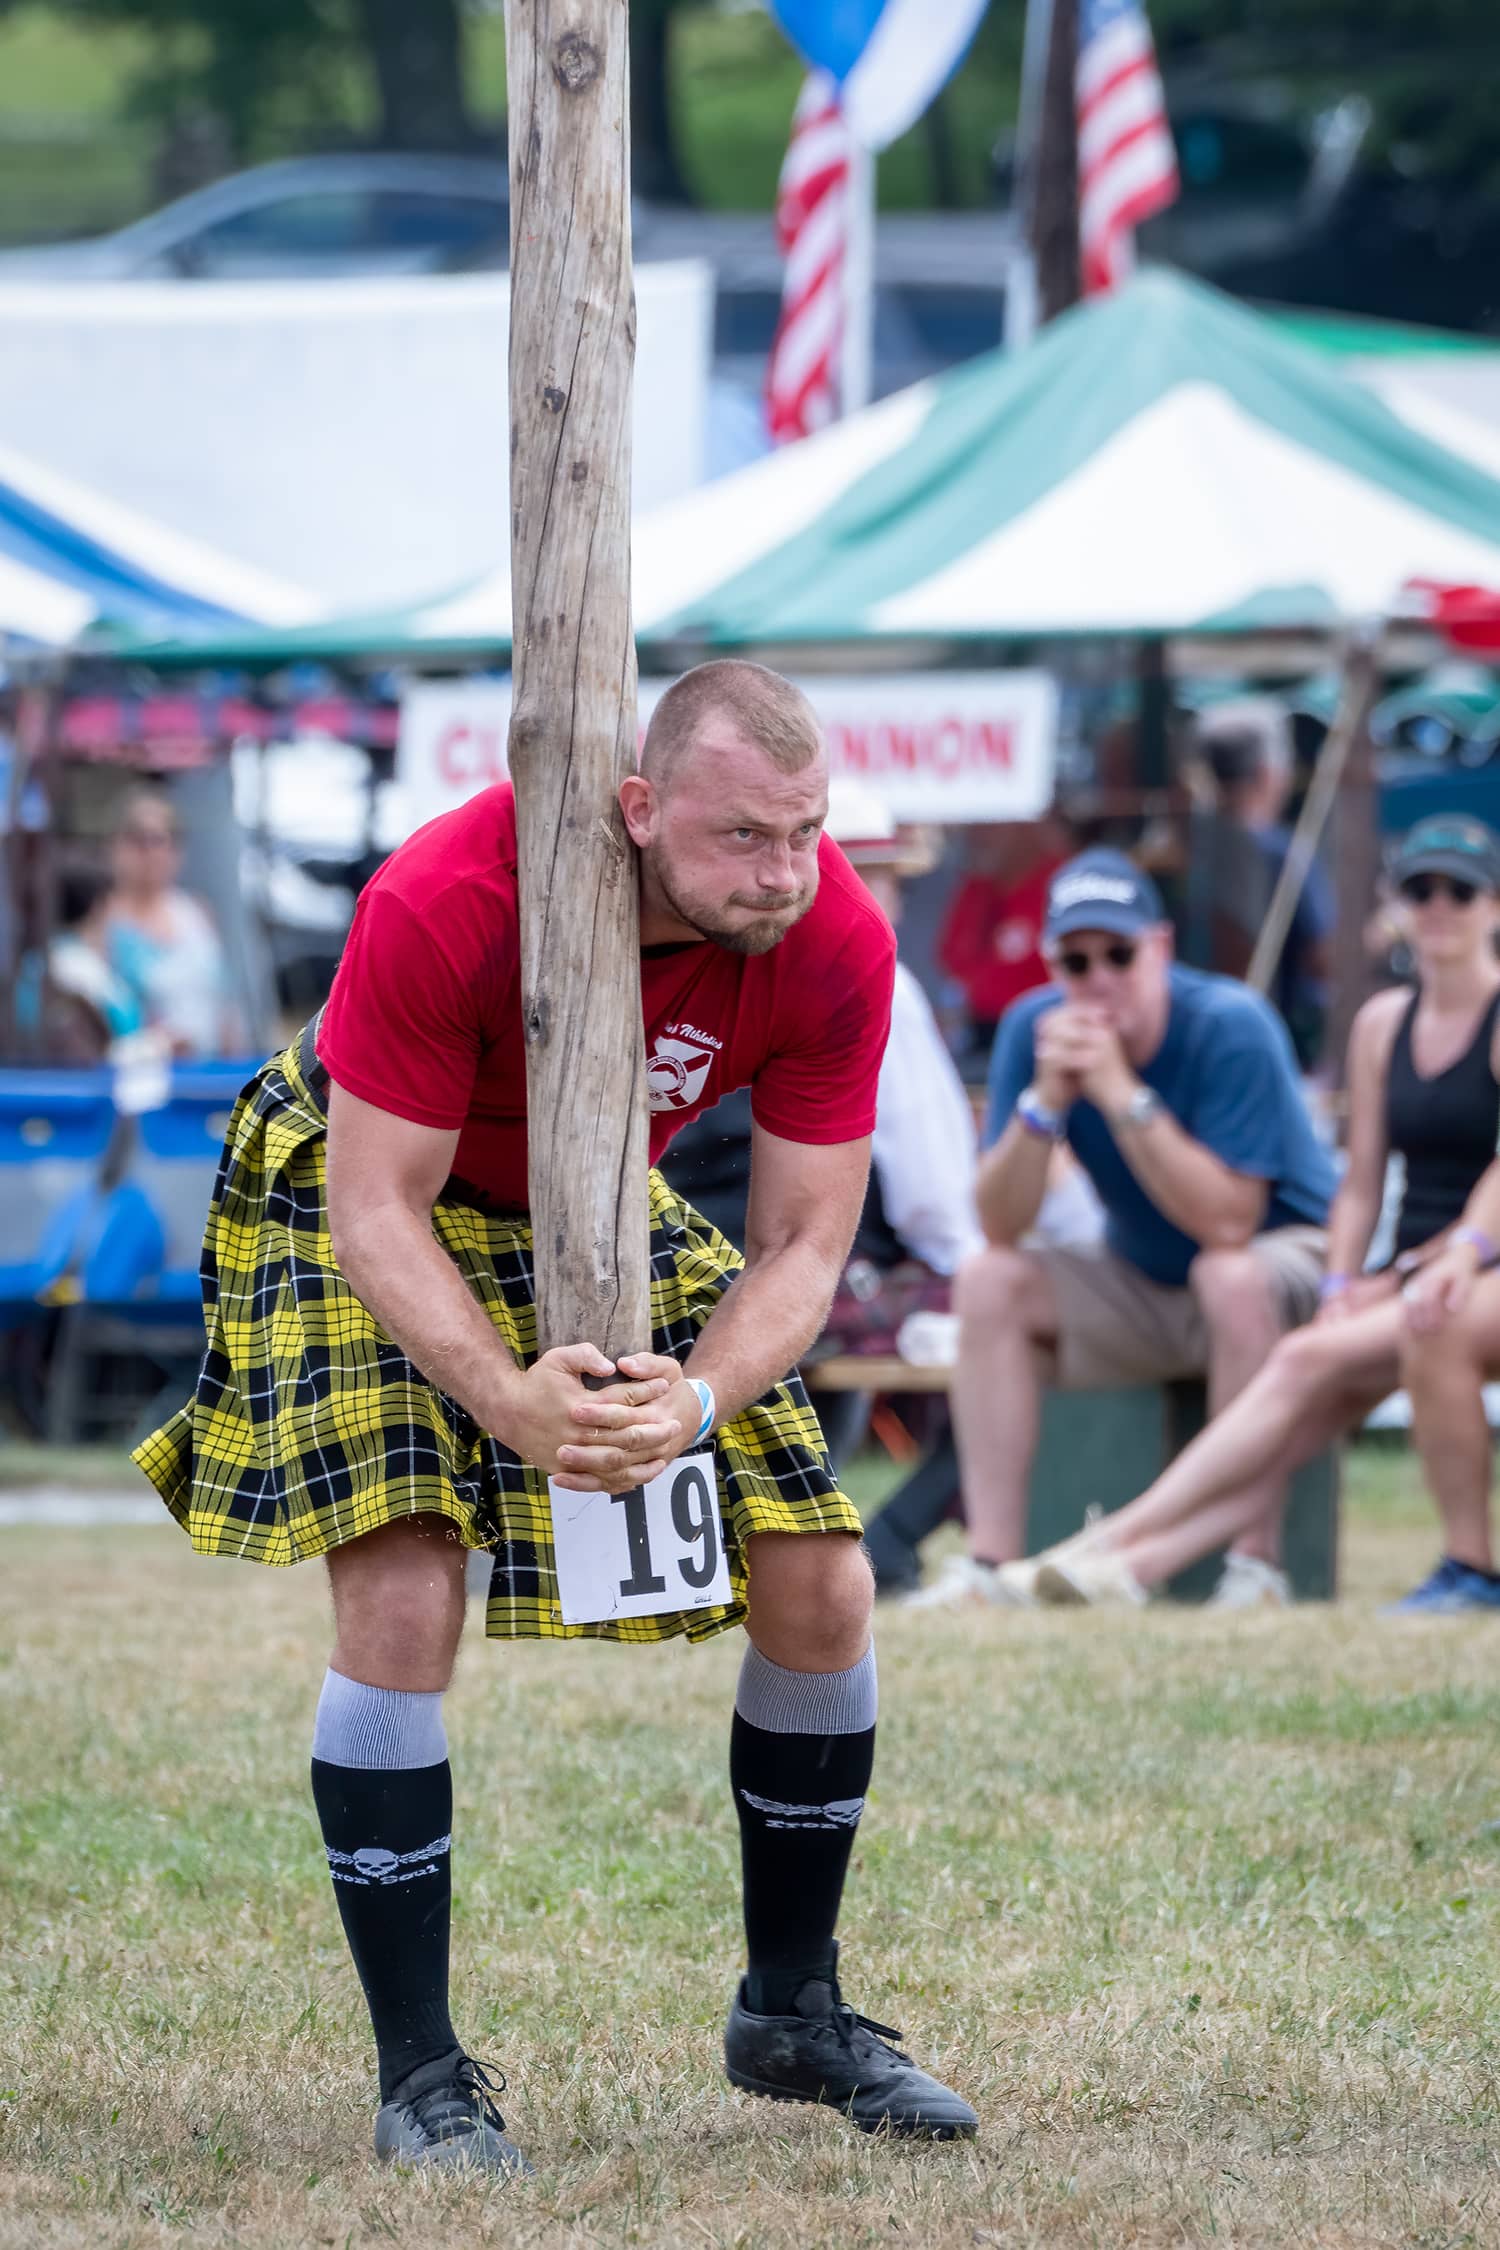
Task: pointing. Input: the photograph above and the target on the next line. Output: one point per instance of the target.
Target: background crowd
(1101, 1160)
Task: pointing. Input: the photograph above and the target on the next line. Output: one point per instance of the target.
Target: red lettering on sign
(467, 754)
(848, 750)
(996, 743)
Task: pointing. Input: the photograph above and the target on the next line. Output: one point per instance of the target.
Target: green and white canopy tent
(1161, 462)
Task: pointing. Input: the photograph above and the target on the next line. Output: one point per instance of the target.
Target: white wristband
(709, 1405)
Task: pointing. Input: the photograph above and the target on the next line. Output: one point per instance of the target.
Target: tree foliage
(244, 60)
(1426, 67)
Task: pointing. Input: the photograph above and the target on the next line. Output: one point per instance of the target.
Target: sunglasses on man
(1419, 890)
(1120, 955)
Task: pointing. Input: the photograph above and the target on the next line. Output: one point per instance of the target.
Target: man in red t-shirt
(990, 943)
(371, 1389)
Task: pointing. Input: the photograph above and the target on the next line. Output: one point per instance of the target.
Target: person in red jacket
(990, 943)
(372, 1391)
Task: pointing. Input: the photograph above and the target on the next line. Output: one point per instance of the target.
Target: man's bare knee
(1233, 1288)
(1004, 1288)
(811, 1598)
(398, 1604)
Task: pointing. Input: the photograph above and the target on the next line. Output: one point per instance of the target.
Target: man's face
(1123, 978)
(730, 848)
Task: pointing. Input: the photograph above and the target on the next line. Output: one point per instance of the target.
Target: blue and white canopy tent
(76, 567)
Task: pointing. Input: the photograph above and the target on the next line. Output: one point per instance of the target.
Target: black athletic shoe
(441, 2114)
(824, 2052)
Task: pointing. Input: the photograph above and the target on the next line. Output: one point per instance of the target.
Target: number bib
(644, 1553)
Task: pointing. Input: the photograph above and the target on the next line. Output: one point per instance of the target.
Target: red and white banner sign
(939, 746)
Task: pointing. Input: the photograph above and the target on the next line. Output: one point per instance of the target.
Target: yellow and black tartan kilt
(309, 1426)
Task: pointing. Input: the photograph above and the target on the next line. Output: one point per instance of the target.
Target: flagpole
(857, 334)
(1021, 280)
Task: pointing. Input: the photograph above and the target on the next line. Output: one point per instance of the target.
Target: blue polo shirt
(1226, 1072)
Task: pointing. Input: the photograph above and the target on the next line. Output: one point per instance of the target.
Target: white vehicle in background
(313, 217)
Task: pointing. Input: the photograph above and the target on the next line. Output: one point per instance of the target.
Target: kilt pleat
(309, 1426)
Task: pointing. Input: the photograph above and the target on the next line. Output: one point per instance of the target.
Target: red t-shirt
(424, 1018)
(991, 942)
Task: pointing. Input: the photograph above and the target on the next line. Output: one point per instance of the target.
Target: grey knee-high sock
(384, 1793)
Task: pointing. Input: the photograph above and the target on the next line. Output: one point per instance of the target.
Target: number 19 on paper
(643, 1553)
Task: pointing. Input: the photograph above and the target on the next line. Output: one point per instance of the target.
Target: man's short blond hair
(760, 705)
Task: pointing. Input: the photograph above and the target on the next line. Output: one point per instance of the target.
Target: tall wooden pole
(573, 719)
(1348, 736)
(1356, 841)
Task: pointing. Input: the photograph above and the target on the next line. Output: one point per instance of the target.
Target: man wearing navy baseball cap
(1178, 1094)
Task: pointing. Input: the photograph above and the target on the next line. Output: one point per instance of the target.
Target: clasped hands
(1079, 1057)
(599, 1441)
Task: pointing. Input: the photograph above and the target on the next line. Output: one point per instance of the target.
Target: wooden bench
(1099, 1448)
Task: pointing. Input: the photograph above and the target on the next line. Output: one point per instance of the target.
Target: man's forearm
(762, 1325)
(401, 1273)
(1188, 1184)
(1012, 1182)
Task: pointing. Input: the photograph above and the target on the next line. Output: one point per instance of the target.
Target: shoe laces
(461, 2103)
(846, 2022)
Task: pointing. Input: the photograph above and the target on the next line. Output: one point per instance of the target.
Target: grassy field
(1202, 1913)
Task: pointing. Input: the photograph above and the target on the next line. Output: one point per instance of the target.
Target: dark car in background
(1285, 207)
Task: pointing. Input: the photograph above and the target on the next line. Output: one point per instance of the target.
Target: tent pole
(857, 335)
(1153, 700)
(573, 713)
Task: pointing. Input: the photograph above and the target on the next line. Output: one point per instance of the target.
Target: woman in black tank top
(1422, 1076)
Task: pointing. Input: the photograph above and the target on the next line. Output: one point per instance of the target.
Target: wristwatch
(1144, 1104)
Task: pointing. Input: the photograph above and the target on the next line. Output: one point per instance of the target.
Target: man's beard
(759, 935)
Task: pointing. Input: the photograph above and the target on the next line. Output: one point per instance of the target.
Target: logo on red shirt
(676, 1071)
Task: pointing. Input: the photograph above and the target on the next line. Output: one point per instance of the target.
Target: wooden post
(573, 721)
(1356, 844)
(1359, 684)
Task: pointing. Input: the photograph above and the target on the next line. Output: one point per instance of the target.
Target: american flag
(811, 218)
(1127, 166)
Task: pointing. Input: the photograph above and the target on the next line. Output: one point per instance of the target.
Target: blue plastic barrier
(55, 1130)
(96, 1211)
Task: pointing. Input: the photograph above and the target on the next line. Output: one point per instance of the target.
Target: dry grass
(1201, 1913)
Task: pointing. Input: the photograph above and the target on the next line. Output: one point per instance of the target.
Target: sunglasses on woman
(1418, 890)
(1120, 955)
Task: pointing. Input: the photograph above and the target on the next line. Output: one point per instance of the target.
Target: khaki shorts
(1115, 1327)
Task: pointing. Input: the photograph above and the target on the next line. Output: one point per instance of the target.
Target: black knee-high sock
(799, 1798)
(388, 1842)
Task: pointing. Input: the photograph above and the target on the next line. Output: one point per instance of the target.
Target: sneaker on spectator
(1020, 1577)
(1084, 1574)
(1248, 1583)
(963, 1583)
(1448, 1590)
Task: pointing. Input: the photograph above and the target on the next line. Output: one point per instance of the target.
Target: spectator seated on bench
(1178, 1094)
(1097, 1450)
